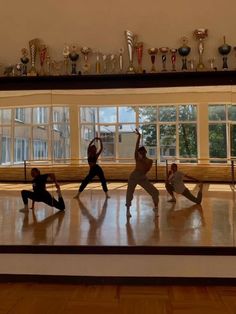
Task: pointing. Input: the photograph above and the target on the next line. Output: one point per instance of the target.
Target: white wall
(101, 24)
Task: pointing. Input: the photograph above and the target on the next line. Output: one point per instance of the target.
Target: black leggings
(43, 196)
(94, 171)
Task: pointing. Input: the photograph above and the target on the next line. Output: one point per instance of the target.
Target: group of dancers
(143, 164)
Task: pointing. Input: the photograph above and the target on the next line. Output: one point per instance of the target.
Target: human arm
(53, 178)
(137, 144)
(101, 145)
(191, 178)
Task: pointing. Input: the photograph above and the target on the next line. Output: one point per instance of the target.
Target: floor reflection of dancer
(95, 169)
(175, 183)
(138, 176)
(40, 194)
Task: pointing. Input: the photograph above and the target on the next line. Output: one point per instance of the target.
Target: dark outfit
(95, 170)
(40, 194)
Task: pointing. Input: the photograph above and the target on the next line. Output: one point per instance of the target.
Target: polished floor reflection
(94, 220)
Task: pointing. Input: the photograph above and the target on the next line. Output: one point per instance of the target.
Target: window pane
(107, 114)
(5, 138)
(88, 114)
(232, 112)
(61, 141)
(216, 112)
(187, 112)
(149, 139)
(40, 115)
(233, 140)
(147, 114)
(40, 142)
(167, 113)
(187, 140)
(5, 116)
(87, 133)
(21, 143)
(107, 134)
(126, 142)
(127, 114)
(167, 141)
(23, 115)
(217, 140)
(60, 114)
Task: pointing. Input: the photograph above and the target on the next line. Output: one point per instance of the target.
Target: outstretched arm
(191, 178)
(137, 143)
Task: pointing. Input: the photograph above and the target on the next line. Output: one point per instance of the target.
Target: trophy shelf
(113, 81)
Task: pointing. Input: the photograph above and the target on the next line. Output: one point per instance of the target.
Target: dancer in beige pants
(175, 183)
(138, 176)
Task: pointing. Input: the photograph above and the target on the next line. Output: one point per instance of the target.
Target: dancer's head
(92, 149)
(142, 151)
(174, 167)
(35, 172)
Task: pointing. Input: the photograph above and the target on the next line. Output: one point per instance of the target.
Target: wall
(101, 25)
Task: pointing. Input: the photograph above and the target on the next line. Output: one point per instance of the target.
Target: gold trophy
(200, 34)
(173, 52)
(153, 52)
(121, 51)
(86, 51)
(42, 58)
(65, 53)
(33, 48)
(130, 39)
(139, 52)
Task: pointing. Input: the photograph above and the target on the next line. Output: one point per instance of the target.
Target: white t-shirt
(176, 179)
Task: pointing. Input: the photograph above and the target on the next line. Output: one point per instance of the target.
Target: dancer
(40, 194)
(95, 169)
(175, 183)
(138, 176)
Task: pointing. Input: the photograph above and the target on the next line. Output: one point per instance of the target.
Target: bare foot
(77, 195)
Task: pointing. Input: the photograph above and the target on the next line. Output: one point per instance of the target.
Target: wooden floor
(93, 220)
(27, 298)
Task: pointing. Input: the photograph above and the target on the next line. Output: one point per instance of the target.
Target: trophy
(98, 63)
(224, 50)
(48, 65)
(191, 63)
(33, 47)
(184, 51)
(153, 52)
(24, 59)
(42, 58)
(104, 63)
(200, 34)
(130, 38)
(113, 59)
(74, 56)
(139, 52)
(121, 51)
(86, 51)
(163, 51)
(57, 67)
(65, 53)
(212, 64)
(173, 52)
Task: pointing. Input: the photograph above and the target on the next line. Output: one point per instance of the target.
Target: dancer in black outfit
(95, 169)
(40, 194)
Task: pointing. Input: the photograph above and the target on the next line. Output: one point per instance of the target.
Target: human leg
(86, 181)
(170, 190)
(129, 193)
(151, 190)
(25, 194)
(191, 197)
(48, 199)
(102, 178)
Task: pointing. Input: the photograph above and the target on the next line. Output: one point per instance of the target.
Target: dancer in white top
(175, 183)
(138, 176)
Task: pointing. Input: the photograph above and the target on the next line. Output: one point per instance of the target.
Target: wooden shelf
(113, 81)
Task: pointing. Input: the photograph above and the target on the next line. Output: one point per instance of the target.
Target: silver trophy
(33, 48)
(130, 39)
(65, 53)
(86, 51)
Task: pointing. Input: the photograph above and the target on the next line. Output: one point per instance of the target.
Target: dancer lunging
(175, 183)
(94, 168)
(138, 176)
(40, 194)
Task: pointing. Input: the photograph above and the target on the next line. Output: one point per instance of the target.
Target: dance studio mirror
(194, 127)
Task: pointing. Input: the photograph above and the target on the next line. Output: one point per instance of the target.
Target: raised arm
(137, 144)
(101, 145)
(53, 178)
(191, 178)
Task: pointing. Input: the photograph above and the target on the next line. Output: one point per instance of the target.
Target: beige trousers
(138, 178)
